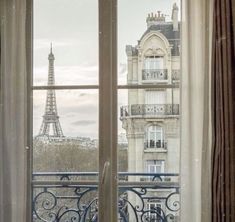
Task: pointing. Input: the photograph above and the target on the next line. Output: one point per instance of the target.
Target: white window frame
(155, 164)
(156, 206)
(152, 62)
(161, 96)
(155, 131)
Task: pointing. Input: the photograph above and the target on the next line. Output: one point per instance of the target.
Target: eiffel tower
(50, 117)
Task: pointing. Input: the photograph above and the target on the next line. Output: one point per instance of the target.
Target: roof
(167, 30)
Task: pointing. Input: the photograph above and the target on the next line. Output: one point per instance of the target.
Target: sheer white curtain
(195, 99)
(13, 112)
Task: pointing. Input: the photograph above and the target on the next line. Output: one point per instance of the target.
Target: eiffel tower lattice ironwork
(50, 117)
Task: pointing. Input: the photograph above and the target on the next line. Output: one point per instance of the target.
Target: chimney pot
(174, 17)
(155, 18)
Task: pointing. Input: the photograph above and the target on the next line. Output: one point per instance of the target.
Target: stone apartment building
(151, 118)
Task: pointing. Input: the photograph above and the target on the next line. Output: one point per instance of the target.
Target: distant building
(151, 118)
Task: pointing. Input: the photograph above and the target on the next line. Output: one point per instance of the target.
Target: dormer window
(153, 63)
(153, 69)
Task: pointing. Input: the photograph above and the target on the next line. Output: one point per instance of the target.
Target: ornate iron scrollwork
(154, 74)
(149, 110)
(62, 202)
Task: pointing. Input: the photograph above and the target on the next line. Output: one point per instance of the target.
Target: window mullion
(107, 111)
(29, 93)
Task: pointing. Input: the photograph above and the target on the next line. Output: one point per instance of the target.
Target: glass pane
(149, 116)
(72, 28)
(152, 145)
(133, 49)
(122, 139)
(65, 152)
(65, 136)
(65, 123)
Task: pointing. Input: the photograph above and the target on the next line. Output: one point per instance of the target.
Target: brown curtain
(223, 112)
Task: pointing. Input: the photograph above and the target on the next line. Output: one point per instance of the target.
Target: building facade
(151, 118)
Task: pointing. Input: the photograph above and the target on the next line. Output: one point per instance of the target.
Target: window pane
(77, 120)
(65, 122)
(155, 96)
(148, 57)
(72, 28)
(70, 157)
(133, 48)
(149, 137)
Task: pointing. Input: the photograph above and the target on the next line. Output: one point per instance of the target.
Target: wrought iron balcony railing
(155, 144)
(59, 197)
(154, 74)
(152, 110)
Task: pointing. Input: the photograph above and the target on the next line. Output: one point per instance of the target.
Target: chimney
(155, 19)
(174, 17)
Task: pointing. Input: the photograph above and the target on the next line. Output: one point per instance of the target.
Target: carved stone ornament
(135, 127)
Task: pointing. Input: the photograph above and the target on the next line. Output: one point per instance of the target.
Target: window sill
(155, 150)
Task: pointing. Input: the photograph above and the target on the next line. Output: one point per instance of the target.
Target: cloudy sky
(72, 27)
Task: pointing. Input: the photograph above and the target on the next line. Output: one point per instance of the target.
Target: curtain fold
(223, 111)
(195, 111)
(13, 112)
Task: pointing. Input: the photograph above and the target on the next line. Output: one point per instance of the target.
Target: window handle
(104, 172)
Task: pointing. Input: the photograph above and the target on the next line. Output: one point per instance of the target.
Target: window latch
(104, 172)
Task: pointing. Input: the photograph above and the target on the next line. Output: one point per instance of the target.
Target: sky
(72, 27)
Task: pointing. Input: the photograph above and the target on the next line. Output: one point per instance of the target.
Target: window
(154, 69)
(155, 212)
(153, 62)
(155, 97)
(155, 166)
(155, 137)
(81, 100)
(155, 34)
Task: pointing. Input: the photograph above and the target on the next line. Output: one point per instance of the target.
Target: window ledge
(155, 150)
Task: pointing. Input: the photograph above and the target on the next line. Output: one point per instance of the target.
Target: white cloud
(68, 75)
(44, 43)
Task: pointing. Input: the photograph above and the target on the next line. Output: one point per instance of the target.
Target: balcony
(151, 144)
(149, 110)
(73, 196)
(154, 75)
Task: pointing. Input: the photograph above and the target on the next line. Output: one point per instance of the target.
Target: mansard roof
(172, 36)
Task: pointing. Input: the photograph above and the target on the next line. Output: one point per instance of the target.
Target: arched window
(154, 137)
